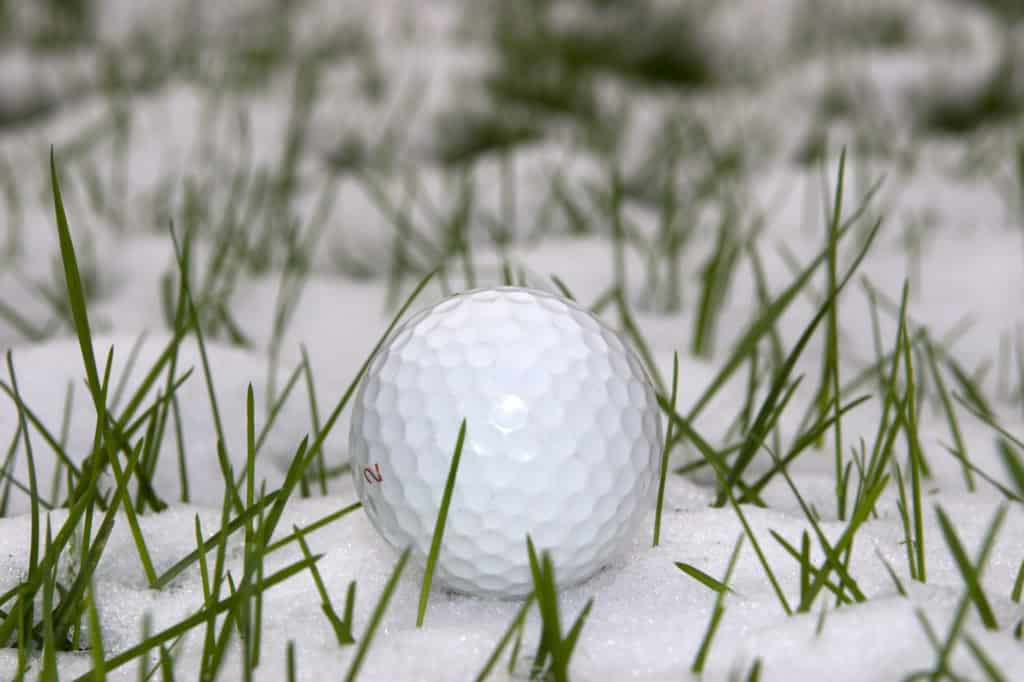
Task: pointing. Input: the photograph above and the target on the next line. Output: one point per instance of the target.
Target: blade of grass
(716, 615)
(701, 577)
(968, 571)
(552, 644)
(513, 627)
(211, 392)
(375, 618)
(442, 517)
(947, 406)
(665, 451)
(73, 282)
(1018, 584)
(945, 650)
(342, 627)
(987, 665)
(33, 548)
(96, 651)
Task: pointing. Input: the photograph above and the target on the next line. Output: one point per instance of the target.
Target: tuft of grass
(968, 571)
(554, 650)
(342, 626)
(764, 323)
(769, 412)
(209, 611)
(971, 572)
(837, 556)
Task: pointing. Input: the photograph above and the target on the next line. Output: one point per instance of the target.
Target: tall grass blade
(442, 518)
(666, 448)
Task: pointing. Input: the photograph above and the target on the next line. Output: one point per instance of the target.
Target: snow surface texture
(952, 227)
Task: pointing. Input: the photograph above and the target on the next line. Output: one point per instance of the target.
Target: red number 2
(373, 475)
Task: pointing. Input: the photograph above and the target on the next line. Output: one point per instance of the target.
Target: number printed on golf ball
(562, 438)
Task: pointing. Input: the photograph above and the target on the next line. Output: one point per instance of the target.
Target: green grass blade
(238, 522)
(316, 525)
(33, 548)
(950, 412)
(513, 627)
(666, 448)
(968, 571)
(761, 423)
(198, 618)
(73, 282)
(96, 651)
(701, 577)
(211, 392)
(563, 289)
(442, 517)
(375, 618)
(832, 337)
(33, 419)
(897, 583)
(1018, 584)
(945, 650)
(572, 637)
(321, 436)
(987, 665)
(342, 627)
(716, 615)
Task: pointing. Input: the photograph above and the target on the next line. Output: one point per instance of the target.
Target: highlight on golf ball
(563, 438)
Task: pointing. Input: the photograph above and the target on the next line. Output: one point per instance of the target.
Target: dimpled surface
(562, 438)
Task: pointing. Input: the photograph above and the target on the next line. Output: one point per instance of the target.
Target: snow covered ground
(324, 157)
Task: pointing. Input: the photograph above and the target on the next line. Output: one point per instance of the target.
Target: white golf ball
(562, 438)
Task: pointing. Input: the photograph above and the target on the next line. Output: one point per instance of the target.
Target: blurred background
(374, 140)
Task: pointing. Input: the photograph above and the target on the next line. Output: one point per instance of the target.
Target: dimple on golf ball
(562, 438)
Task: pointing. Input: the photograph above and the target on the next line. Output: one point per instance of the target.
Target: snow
(648, 618)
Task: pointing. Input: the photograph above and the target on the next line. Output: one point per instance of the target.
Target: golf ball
(562, 438)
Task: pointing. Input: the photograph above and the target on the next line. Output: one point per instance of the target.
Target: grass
(996, 99)
(716, 615)
(240, 214)
(442, 517)
(555, 649)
